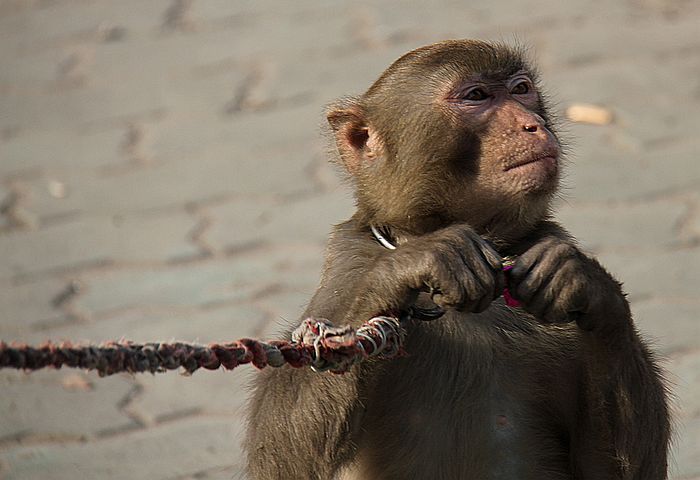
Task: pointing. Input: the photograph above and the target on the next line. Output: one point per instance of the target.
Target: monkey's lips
(546, 160)
(534, 173)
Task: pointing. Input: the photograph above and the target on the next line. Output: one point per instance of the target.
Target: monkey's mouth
(545, 158)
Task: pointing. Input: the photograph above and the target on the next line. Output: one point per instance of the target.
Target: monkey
(455, 158)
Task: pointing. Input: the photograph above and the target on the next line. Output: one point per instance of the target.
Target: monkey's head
(455, 131)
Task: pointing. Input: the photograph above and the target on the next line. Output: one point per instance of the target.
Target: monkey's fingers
(444, 279)
(488, 269)
(537, 267)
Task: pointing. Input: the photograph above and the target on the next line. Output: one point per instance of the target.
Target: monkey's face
(456, 131)
(502, 139)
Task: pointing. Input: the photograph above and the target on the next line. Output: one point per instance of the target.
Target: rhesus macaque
(453, 154)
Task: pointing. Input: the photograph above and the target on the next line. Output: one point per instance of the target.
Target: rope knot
(336, 349)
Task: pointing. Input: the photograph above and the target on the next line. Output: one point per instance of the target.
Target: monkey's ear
(357, 141)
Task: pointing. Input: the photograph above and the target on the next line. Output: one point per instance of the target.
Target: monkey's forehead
(446, 64)
(489, 68)
(470, 57)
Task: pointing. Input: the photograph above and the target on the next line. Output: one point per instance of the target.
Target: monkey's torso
(483, 396)
(472, 417)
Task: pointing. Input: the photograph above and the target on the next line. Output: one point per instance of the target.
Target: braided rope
(316, 343)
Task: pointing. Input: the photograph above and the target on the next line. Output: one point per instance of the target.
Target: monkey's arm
(621, 397)
(300, 421)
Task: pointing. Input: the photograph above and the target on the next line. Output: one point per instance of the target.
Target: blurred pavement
(162, 176)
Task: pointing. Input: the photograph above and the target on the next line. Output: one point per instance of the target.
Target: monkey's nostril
(530, 128)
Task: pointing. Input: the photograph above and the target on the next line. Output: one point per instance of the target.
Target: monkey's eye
(521, 88)
(476, 95)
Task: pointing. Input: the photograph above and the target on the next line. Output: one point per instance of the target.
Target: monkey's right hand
(456, 266)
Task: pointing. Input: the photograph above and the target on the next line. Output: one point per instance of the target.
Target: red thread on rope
(508, 264)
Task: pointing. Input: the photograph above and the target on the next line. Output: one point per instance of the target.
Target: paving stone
(161, 452)
(596, 56)
(671, 325)
(463, 20)
(76, 107)
(242, 222)
(201, 79)
(246, 141)
(206, 173)
(609, 226)
(45, 405)
(270, 34)
(5, 192)
(229, 97)
(31, 305)
(663, 274)
(598, 176)
(683, 376)
(214, 324)
(221, 473)
(691, 228)
(56, 150)
(685, 463)
(96, 240)
(214, 282)
(170, 396)
(238, 223)
(167, 69)
(65, 20)
(684, 369)
(35, 73)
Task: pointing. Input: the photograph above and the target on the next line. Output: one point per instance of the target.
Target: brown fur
(561, 388)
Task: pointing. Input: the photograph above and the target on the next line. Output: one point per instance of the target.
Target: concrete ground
(162, 176)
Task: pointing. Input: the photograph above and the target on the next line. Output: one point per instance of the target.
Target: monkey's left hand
(557, 283)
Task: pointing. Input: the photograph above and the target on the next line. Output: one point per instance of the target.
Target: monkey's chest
(454, 408)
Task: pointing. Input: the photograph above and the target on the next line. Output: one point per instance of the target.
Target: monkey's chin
(538, 176)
